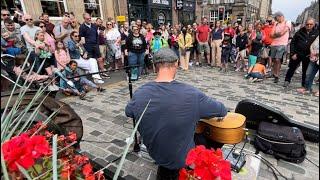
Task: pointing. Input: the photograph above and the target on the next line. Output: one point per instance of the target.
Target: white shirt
(112, 34)
(31, 31)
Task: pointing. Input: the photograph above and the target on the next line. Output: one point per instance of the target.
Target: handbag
(283, 142)
(264, 53)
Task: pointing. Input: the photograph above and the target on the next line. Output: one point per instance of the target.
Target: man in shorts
(202, 36)
(280, 36)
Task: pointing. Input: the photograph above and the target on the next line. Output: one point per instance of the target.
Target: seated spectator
(18, 17)
(62, 55)
(77, 84)
(43, 52)
(14, 34)
(19, 60)
(257, 72)
(49, 38)
(78, 53)
(8, 45)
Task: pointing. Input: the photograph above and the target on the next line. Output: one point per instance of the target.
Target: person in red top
(203, 33)
(229, 31)
(267, 40)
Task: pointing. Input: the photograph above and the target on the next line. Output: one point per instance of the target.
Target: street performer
(168, 125)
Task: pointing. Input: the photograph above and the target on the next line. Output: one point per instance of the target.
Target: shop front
(186, 11)
(160, 12)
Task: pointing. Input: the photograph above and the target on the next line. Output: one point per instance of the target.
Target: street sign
(179, 4)
(121, 18)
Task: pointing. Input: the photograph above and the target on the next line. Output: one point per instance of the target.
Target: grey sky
(290, 8)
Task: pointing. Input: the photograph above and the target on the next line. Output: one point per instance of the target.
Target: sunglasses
(41, 26)
(76, 36)
(135, 29)
(309, 24)
(109, 24)
(29, 19)
(5, 14)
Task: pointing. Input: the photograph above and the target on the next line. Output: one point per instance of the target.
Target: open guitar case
(255, 112)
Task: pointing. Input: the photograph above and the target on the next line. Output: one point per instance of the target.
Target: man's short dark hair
(8, 21)
(44, 13)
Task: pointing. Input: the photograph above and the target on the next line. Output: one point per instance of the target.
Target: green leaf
(24, 172)
(54, 157)
(4, 167)
(115, 177)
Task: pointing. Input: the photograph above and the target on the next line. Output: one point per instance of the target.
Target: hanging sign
(179, 4)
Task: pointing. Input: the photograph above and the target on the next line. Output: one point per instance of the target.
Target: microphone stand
(136, 147)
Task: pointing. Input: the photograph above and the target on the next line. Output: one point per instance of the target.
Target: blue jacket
(67, 73)
(74, 51)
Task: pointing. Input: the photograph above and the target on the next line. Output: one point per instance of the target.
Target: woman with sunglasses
(113, 39)
(80, 55)
(49, 39)
(136, 46)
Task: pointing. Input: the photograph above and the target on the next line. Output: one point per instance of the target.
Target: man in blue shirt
(168, 125)
(89, 34)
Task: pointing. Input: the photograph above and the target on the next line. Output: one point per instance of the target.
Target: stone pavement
(106, 127)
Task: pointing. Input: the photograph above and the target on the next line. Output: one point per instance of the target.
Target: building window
(54, 8)
(12, 5)
(228, 1)
(93, 7)
(213, 16)
(214, 1)
(228, 15)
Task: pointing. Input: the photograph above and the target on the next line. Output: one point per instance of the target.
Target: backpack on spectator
(283, 142)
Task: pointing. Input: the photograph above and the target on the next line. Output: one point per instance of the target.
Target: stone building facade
(311, 11)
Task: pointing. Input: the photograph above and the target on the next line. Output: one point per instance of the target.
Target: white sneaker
(197, 63)
(98, 81)
(237, 70)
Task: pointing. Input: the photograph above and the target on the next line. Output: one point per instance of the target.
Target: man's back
(168, 126)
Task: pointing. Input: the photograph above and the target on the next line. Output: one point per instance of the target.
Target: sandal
(302, 91)
(316, 94)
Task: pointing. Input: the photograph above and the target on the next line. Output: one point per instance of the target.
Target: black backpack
(283, 142)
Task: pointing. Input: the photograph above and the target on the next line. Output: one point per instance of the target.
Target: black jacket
(302, 40)
(241, 42)
(136, 44)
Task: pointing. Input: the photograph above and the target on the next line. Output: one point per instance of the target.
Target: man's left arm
(209, 108)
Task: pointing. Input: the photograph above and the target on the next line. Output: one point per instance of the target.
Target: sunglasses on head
(29, 19)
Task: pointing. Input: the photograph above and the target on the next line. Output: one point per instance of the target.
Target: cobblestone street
(104, 119)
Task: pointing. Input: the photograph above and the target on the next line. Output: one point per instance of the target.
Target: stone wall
(311, 11)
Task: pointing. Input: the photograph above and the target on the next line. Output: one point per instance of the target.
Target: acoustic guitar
(229, 130)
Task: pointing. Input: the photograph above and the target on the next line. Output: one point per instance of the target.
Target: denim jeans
(136, 59)
(255, 75)
(312, 70)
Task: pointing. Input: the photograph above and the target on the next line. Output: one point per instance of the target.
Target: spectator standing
(267, 40)
(136, 46)
(229, 31)
(101, 41)
(203, 34)
(216, 40)
(89, 34)
(49, 26)
(225, 53)
(63, 30)
(18, 17)
(241, 44)
(75, 25)
(185, 45)
(195, 51)
(149, 33)
(280, 35)
(164, 32)
(313, 68)
(300, 51)
(157, 42)
(174, 41)
(78, 53)
(113, 39)
(124, 37)
(256, 46)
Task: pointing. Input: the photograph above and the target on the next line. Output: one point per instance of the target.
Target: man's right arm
(209, 108)
(130, 109)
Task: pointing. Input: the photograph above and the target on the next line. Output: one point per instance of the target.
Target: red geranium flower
(39, 146)
(87, 170)
(72, 136)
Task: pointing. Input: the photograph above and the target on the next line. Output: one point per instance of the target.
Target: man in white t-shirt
(63, 30)
(29, 31)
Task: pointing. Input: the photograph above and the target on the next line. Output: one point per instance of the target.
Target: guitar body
(228, 131)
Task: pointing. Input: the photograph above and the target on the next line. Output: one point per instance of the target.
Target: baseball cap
(165, 55)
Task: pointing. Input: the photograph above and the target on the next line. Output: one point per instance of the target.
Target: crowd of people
(258, 49)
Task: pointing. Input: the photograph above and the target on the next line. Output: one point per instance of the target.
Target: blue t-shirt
(89, 33)
(169, 123)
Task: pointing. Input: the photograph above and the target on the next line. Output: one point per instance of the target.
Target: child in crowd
(75, 85)
(62, 55)
(255, 52)
(43, 51)
(225, 54)
(257, 71)
(8, 45)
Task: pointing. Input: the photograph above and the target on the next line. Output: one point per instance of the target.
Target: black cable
(230, 151)
(312, 162)
(273, 172)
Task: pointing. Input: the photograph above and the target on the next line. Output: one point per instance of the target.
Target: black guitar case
(255, 112)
